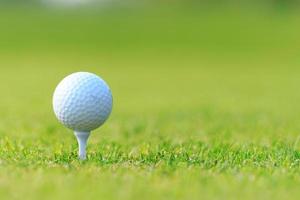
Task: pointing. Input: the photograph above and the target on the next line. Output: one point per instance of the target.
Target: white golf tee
(82, 138)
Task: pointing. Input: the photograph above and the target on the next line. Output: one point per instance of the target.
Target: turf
(206, 105)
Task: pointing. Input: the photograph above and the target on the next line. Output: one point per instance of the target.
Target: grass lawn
(206, 104)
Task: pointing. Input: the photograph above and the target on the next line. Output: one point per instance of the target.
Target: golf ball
(82, 101)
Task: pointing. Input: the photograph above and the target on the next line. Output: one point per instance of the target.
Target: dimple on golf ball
(82, 101)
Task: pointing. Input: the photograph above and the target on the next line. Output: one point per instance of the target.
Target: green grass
(206, 105)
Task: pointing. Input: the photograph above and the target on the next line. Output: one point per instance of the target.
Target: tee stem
(82, 138)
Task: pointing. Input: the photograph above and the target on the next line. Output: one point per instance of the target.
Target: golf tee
(82, 138)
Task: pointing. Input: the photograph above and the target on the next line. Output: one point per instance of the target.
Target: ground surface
(206, 105)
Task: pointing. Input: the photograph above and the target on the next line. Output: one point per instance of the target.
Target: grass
(197, 114)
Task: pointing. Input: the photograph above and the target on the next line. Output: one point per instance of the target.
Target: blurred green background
(206, 99)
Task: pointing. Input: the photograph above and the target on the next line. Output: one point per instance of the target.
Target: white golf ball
(82, 101)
